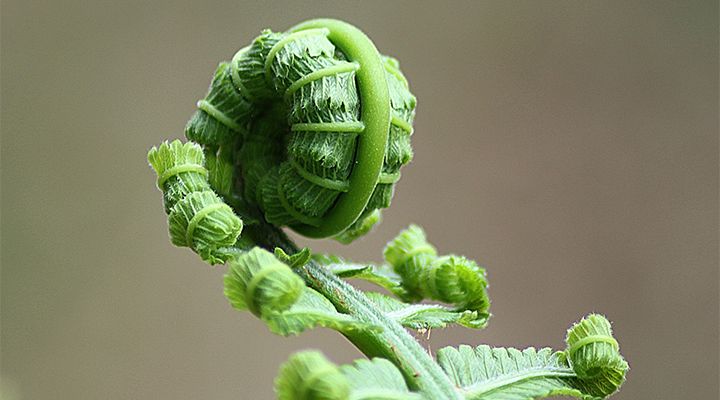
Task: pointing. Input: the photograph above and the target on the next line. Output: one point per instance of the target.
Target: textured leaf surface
(415, 316)
(376, 379)
(510, 374)
(595, 356)
(425, 316)
(197, 217)
(450, 279)
(316, 87)
(311, 310)
(381, 275)
(591, 367)
(295, 260)
(308, 375)
(258, 281)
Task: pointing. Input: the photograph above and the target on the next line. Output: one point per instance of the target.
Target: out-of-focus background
(570, 147)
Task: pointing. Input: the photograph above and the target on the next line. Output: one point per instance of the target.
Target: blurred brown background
(570, 147)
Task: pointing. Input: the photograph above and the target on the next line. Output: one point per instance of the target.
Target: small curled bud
(180, 170)
(450, 279)
(203, 222)
(410, 254)
(458, 280)
(258, 281)
(197, 217)
(308, 375)
(594, 355)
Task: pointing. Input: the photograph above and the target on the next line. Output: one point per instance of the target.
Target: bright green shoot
(308, 129)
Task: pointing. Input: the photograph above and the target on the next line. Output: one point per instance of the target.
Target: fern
(309, 129)
(591, 368)
(499, 373)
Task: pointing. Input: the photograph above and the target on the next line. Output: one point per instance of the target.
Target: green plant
(309, 129)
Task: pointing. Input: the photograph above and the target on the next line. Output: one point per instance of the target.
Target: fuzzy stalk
(394, 342)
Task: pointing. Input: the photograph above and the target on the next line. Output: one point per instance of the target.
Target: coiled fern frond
(257, 280)
(198, 218)
(309, 129)
(594, 355)
(322, 130)
(590, 368)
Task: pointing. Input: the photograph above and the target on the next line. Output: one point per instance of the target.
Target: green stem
(394, 342)
(375, 115)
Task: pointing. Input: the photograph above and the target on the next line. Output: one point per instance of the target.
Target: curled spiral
(258, 281)
(594, 355)
(197, 217)
(321, 122)
(308, 375)
(450, 279)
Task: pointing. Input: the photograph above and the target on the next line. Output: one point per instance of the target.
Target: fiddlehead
(594, 355)
(310, 376)
(450, 279)
(415, 272)
(591, 367)
(309, 129)
(258, 281)
(323, 123)
(197, 217)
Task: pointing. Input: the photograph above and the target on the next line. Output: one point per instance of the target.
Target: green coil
(321, 123)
